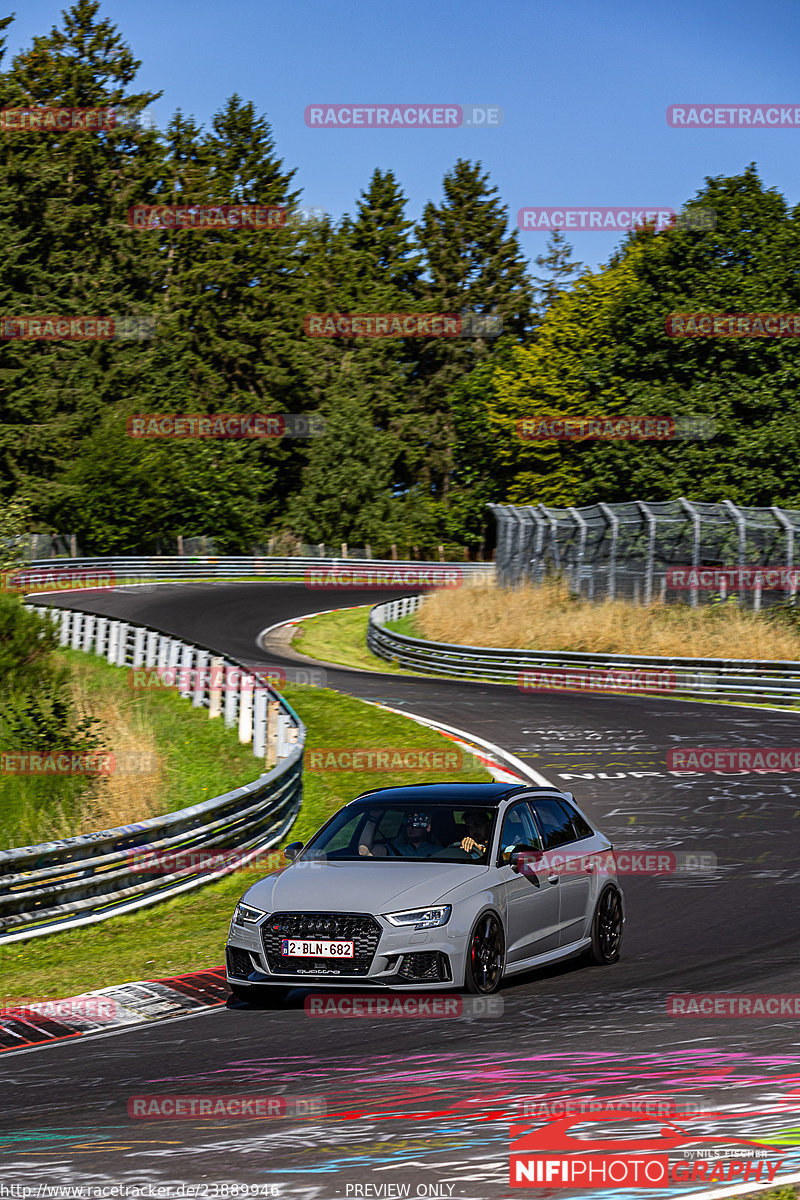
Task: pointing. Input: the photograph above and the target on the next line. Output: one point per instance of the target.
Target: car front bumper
(402, 959)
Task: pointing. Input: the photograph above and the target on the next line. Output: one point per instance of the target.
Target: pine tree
(561, 271)
(67, 250)
(473, 265)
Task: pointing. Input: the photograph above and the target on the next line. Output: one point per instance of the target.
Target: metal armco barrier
(132, 569)
(80, 880)
(777, 681)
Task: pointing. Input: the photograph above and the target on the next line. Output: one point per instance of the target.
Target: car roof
(489, 795)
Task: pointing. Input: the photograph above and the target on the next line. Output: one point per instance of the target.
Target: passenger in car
(476, 840)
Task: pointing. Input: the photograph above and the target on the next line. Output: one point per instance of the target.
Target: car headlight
(421, 918)
(245, 915)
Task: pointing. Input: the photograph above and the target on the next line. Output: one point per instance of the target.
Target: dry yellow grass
(549, 618)
(125, 795)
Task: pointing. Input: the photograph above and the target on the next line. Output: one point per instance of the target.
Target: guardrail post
(77, 629)
(260, 696)
(281, 741)
(162, 659)
(122, 644)
(113, 642)
(100, 635)
(246, 709)
(88, 632)
(138, 647)
(273, 709)
(151, 649)
(185, 675)
(200, 680)
(231, 696)
(63, 633)
(215, 688)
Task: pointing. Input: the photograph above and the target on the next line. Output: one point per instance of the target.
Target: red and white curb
(26, 1025)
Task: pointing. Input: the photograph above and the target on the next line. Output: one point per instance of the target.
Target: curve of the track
(569, 1029)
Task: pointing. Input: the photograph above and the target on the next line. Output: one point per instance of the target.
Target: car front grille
(427, 967)
(240, 963)
(360, 928)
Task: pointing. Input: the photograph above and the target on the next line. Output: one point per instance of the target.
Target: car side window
(581, 826)
(555, 823)
(519, 829)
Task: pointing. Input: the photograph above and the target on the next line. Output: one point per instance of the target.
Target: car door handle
(552, 878)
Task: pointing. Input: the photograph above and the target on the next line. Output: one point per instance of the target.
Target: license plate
(311, 948)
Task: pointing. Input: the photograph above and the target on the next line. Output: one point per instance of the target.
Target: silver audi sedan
(443, 885)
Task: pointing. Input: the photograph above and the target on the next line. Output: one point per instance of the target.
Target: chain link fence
(673, 550)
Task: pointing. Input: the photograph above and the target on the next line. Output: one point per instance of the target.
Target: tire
(606, 929)
(260, 997)
(486, 953)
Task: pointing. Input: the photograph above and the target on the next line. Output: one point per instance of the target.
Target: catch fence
(642, 551)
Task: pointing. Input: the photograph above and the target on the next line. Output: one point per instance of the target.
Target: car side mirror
(291, 851)
(521, 855)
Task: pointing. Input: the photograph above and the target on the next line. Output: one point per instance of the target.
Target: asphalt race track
(429, 1103)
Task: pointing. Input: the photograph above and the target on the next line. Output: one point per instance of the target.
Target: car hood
(366, 886)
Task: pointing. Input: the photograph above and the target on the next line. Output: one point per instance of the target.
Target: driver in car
(412, 841)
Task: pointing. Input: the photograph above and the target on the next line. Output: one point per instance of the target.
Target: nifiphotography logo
(550, 1156)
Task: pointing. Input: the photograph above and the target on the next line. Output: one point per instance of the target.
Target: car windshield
(441, 832)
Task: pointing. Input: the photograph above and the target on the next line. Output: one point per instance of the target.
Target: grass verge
(168, 756)
(341, 637)
(189, 933)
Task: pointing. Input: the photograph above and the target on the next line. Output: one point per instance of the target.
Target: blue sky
(584, 85)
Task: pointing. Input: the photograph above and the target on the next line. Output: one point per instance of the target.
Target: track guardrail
(692, 678)
(79, 880)
(131, 569)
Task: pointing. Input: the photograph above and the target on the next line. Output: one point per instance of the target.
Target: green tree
(560, 271)
(475, 265)
(67, 249)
